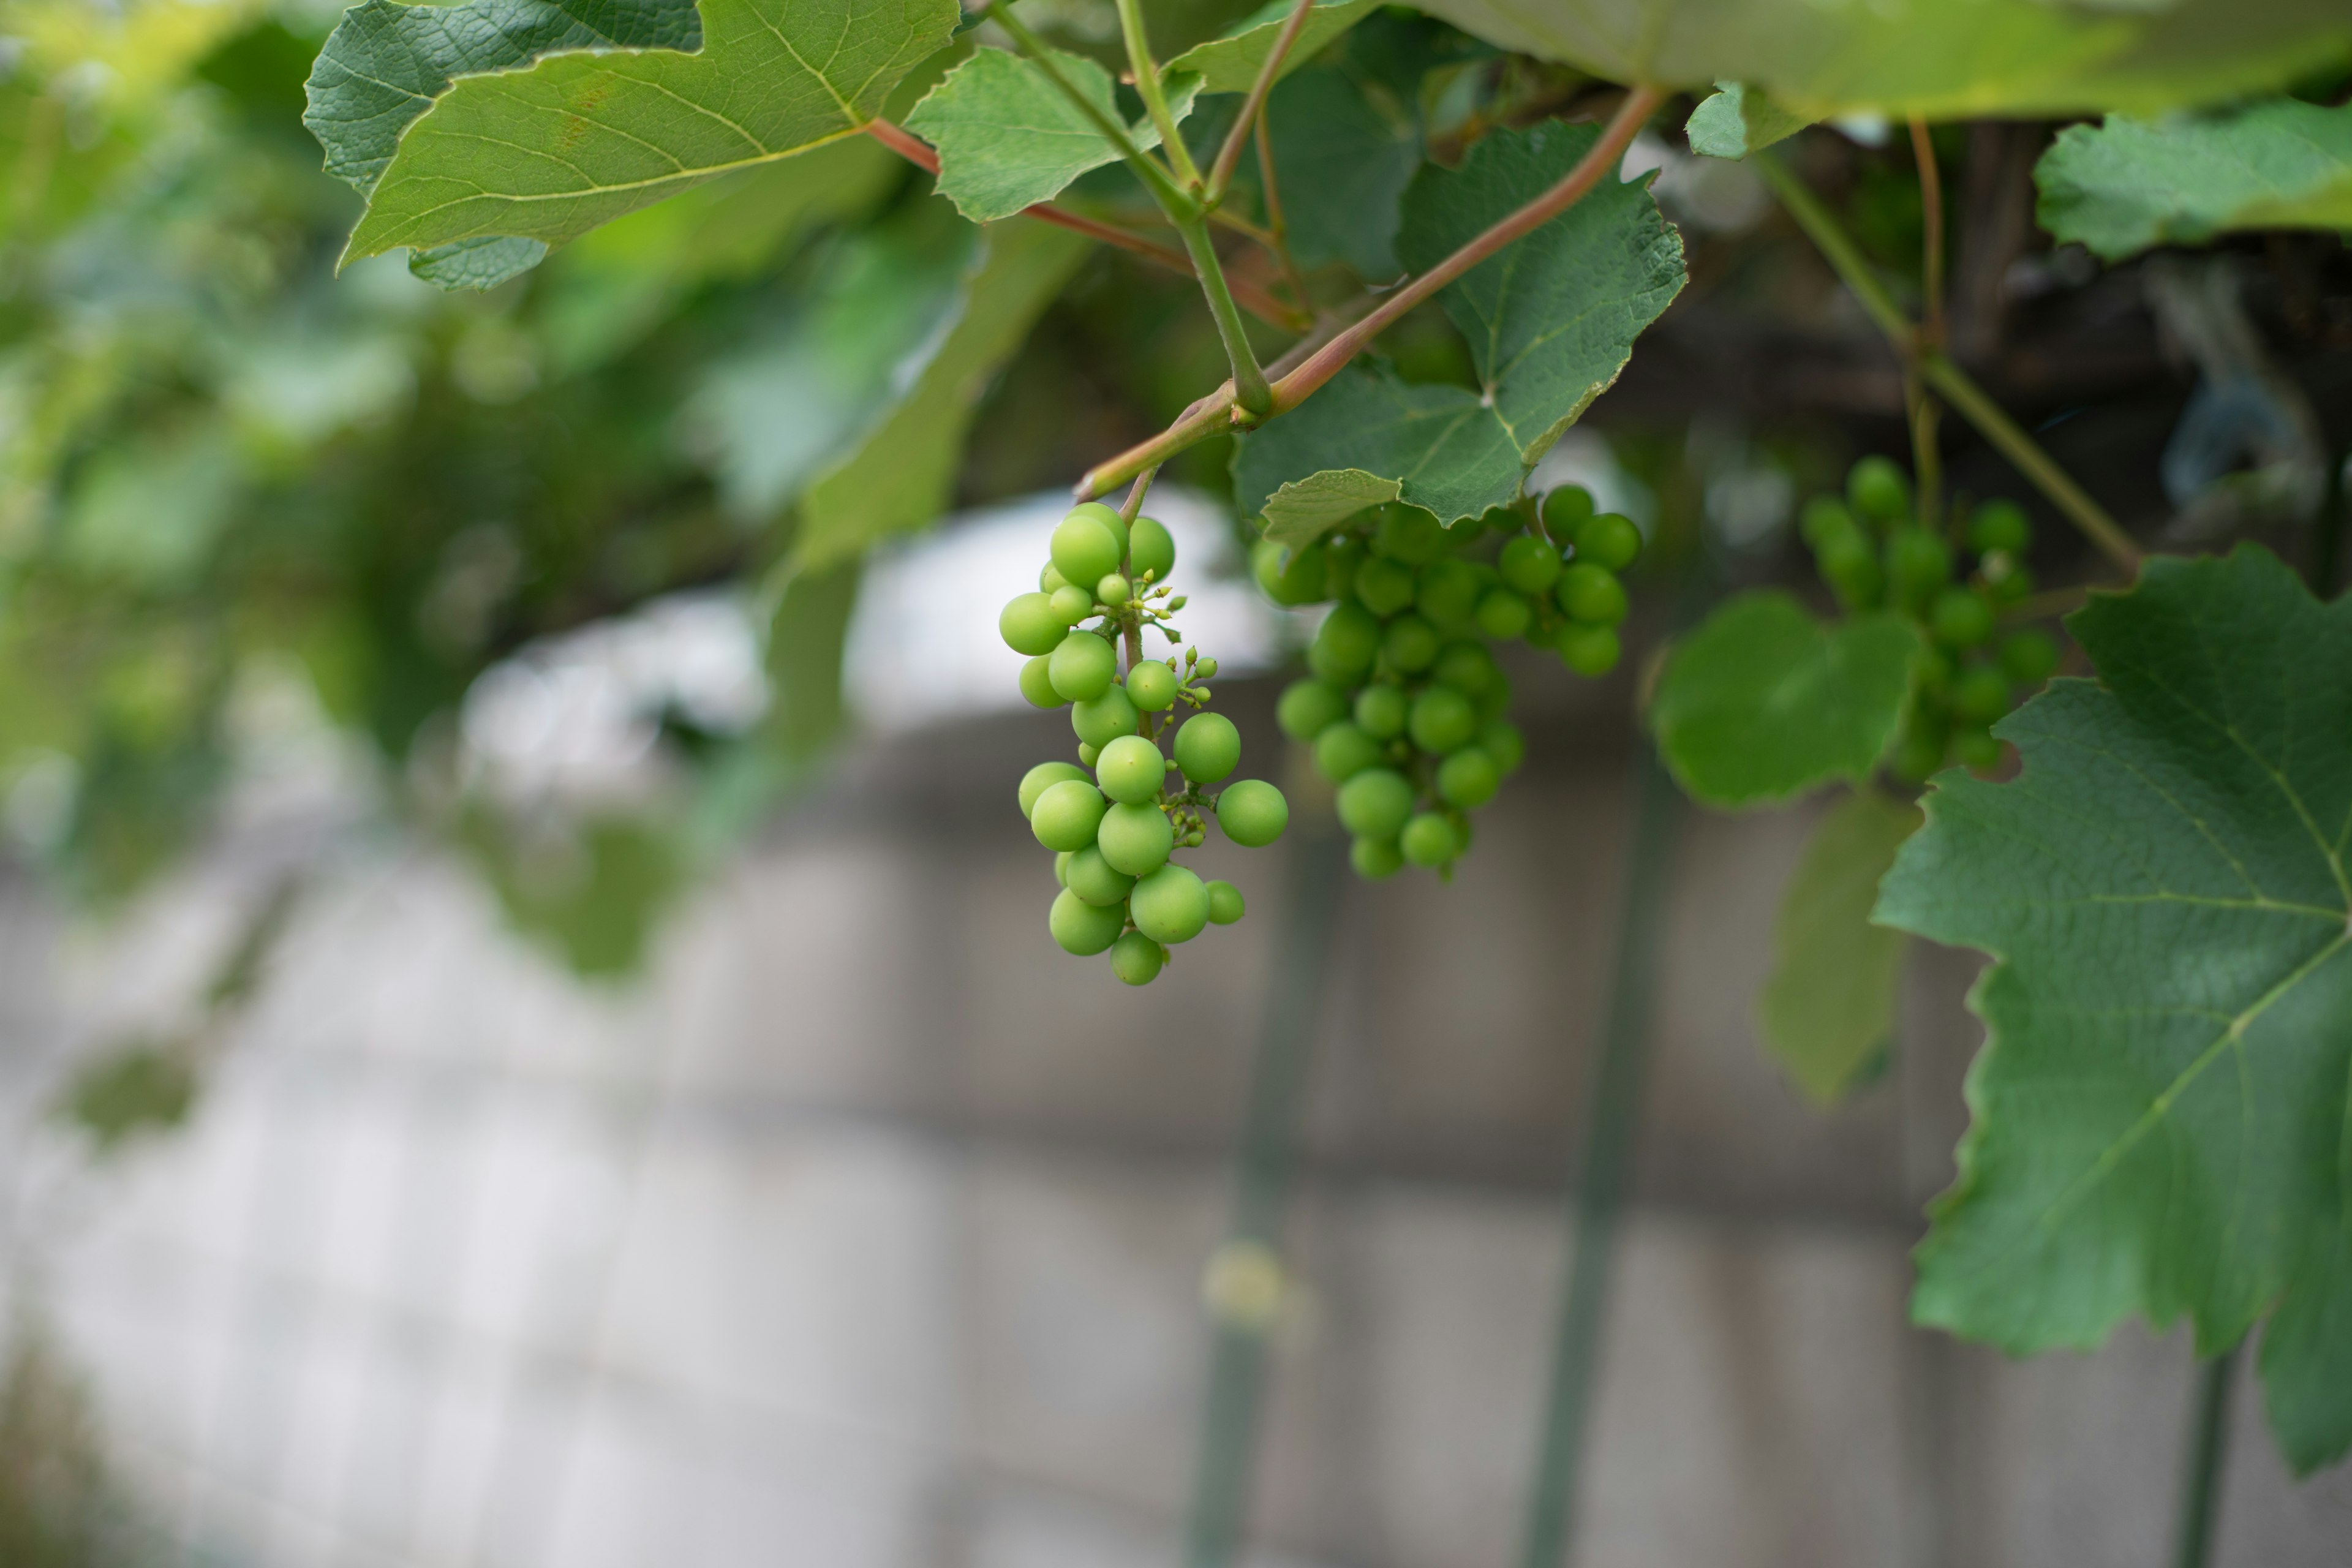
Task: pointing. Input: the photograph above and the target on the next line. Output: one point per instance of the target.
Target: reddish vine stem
(1248, 296)
(1221, 173)
(1218, 411)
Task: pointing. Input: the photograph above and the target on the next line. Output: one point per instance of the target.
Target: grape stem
(1229, 156)
(1926, 455)
(1154, 93)
(1937, 371)
(1222, 410)
(1132, 508)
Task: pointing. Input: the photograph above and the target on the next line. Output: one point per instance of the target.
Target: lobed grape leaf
(1550, 323)
(1008, 139)
(1736, 121)
(1304, 510)
(2161, 1121)
(1937, 61)
(1231, 63)
(2123, 186)
(1827, 1011)
(1344, 162)
(1762, 701)
(902, 474)
(551, 150)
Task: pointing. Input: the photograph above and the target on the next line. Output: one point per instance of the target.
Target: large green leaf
(1762, 701)
(1935, 59)
(1827, 1011)
(2162, 1122)
(1344, 161)
(1550, 323)
(2127, 184)
(1230, 63)
(1008, 138)
(900, 476)
(550, 152)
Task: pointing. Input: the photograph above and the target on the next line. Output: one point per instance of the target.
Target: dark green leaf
(1762, 701)
(1827, 1011)
(2161, 1121)
(1343, 161)
(2127, 184)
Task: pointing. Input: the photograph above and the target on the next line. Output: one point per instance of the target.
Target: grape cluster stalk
(1874, 552)
(1115, 829)
(1406, 710)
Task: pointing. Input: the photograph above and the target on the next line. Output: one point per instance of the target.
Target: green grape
(1151, 549)
(1590, 651)
(1090, 876)
(1135, 839)
(1043, 777)
(2015, 583)
(1982, 693)
(1918, 564)
(1101, 719)
(2029, 658)
(1826, 518)
(1961, 618)
(1049, 579)
(1038, 684)
(1342, 555)
(1466, 667)
(1921, 750)
(1495, 700)
(1113, 590)
(1082, 928)
(1409, 644)
(1226, 904)
(1530, 564)
(1087, 754)
(1501, 741)
(1443, 720)
(1084, 546)
(1345, 645)
(1976, 748)
(1589, 595)
(1131, 770)
(1309, 707)
(1029, 626)
(1375, 803)
(1381, 709)
(1409, 534)
(1152, 686)
(1288, 576)
(1135, 958)
(1062, 867)
(1504, 615)
(1609, 541)
(1108, 517)
(2001, 526)
(1252, 813)
(1879, 489)
(1851, 568)
(1067, 815)
(1343, 750)
(1206, 668)
(1170, 905)
(1083, 666)
(1564, 509)
(1468, 778)
(1070, 606)
(1447, 594)
(1374, 858)
(1208, 747)
(1384, 586)
(1428, 839)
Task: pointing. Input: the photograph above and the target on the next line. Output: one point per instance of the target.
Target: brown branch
(1221, 173)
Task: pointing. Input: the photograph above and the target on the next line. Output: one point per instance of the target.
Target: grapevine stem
(1251, 392)
(1221, 173)
(2208, 1445)
(1938, 371)
(1926, 455)
(1155, 95)
(1156, 178)
(1210, 416)
(1277, 225)
(1133, 507)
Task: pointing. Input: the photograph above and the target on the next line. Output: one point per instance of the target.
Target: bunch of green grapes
(1405, 709)
(1114, 830)
(1874, 553)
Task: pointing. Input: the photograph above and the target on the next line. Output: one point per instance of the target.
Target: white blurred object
(1715, 195)
(923, 644)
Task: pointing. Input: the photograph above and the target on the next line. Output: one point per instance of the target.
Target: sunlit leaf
(1231, 63)
(1736, 121)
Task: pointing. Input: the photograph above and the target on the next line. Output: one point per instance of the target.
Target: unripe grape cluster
(1405, 709)
(1874, 553)
(1116, 817)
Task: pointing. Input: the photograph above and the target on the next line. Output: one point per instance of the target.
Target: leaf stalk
(1250, 391)
(1221, 173)
(1154, 93)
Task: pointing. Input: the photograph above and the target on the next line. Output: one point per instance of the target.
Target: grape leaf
(1736, 121)
(2160, 1120)
(1008, 139)
(1344, 163)
(1937, 61)
(1304, 510)
(1827, 1011)
(1230, 63)
(901, 475)
(550, 152)
(1762, 701)
(2127, 184)
(1550, 323)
